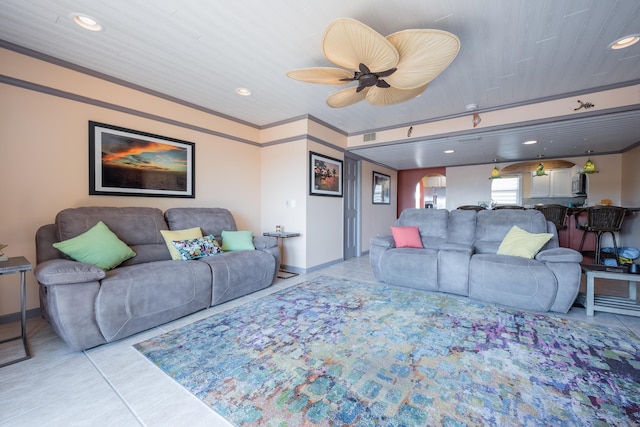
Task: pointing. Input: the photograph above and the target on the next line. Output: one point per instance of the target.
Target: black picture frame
(325, 175)
(380, 189)
(127, 162)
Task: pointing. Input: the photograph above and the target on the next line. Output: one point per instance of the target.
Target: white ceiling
(513, 52)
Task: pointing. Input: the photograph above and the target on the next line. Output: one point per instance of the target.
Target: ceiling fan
(389, 70)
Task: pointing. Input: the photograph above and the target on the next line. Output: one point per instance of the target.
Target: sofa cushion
(239, 273)
(138, 227)
(406, 236)
(433, 225)
(462, 226)
(521, 243)
(493, 225)
(410, 267)
(237, 241)
(170, 235)
(514, 281)
(210, 220)
(197, 248)
(97, 246)
(137, 297)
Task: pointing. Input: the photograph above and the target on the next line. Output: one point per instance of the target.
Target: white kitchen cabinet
(560, 185)
(556, 183)
(436, 181)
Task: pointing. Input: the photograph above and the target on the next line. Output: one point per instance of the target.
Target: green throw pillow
(519, 242)
(97, 246)
(237, 241)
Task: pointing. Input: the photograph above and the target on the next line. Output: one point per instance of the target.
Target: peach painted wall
(44, 168)
(284, 197)
(44, 156)
(376, 219)
(324, 218)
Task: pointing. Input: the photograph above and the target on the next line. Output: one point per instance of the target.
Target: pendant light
(495, 173)
(540, 168)
(589, 166)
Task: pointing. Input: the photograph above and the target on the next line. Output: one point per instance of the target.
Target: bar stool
(471, 207)
(602, 219)
(508, 207)
(555, 213)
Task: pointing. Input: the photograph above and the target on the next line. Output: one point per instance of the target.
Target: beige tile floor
(113, 385)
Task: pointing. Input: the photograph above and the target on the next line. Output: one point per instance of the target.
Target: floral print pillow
(197, 248)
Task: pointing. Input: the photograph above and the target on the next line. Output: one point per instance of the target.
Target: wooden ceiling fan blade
(389, 96)
(349, 43)
(423, 55)
(322, 75)
(346, 97)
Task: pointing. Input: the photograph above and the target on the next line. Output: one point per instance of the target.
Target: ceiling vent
(369, 137)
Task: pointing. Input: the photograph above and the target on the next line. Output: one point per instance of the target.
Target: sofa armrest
(383, 241)
(63, 272)
(559, 255)
(265, 242)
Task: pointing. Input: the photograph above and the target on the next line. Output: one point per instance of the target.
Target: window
(507, 190)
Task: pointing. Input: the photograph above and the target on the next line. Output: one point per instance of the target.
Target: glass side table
(282, 274)
(18, 265)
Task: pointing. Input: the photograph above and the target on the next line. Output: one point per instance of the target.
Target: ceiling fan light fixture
(388, 70)
(624, 42)
(86, 22)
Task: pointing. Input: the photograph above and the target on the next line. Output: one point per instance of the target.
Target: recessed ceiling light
(86, 22)
(530, 142)
(625, 41)
(243, 91)
(449, 151)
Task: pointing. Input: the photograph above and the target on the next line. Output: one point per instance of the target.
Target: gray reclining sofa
(88, 306)
(460, 257)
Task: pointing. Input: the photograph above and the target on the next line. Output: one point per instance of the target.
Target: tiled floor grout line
(113, 387)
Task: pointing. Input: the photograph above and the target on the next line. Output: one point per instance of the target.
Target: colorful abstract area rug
(332, 352)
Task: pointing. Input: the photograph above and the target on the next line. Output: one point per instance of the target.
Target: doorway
(431, 192)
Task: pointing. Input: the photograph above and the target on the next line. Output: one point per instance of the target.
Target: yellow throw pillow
(519, 242)
(170, 235)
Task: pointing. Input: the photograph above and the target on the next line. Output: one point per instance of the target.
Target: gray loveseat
(88, 306)
(460, 257)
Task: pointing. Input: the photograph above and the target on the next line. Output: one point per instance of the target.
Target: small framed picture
(381, 189)
(326, 175)
(125, 162)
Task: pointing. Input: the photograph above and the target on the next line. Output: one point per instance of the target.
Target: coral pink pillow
(406, 237)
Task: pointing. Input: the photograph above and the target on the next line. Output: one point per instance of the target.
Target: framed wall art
(326, 175)
(126, 162)
(381, 193)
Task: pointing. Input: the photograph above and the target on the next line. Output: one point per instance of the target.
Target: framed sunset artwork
(126, 162)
